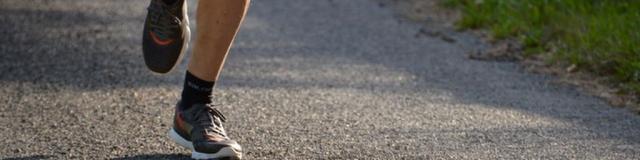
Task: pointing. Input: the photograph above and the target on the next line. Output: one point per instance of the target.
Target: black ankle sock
(170, 1)
(195, 91)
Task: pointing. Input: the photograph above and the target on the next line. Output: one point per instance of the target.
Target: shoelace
(211, 119)
(163, 22)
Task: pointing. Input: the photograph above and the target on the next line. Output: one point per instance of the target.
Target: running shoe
(166, 34)
(199, 128)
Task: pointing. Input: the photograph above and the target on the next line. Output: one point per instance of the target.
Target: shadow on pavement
(155, 156)
(53, 49)
(86, 51)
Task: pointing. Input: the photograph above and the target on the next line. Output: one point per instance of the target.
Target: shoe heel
(179, 140)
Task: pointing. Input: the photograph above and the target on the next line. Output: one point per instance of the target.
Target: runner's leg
(197, 125)
(217, 24)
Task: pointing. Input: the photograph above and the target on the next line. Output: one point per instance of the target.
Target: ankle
(196, 91)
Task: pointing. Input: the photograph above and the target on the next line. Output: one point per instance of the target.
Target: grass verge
(598, 36)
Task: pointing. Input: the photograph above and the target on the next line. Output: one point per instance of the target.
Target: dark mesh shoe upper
(163, 37)
(202, 124)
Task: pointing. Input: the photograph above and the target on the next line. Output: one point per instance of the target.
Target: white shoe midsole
(224, 152)
(178, 139)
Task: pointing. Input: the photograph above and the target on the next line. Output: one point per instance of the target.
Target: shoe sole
(224, 153)
(187, 38)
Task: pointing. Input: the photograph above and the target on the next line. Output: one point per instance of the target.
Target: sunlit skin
(218, 22)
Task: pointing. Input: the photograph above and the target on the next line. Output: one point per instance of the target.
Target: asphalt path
(306, 79)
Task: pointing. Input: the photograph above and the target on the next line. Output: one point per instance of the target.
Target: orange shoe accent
(158, 41)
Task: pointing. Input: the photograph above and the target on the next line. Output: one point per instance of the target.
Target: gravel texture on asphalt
(306, 79)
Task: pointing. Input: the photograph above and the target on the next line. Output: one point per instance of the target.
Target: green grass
(600, 36)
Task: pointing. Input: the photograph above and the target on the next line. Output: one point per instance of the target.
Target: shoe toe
(214, 147)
